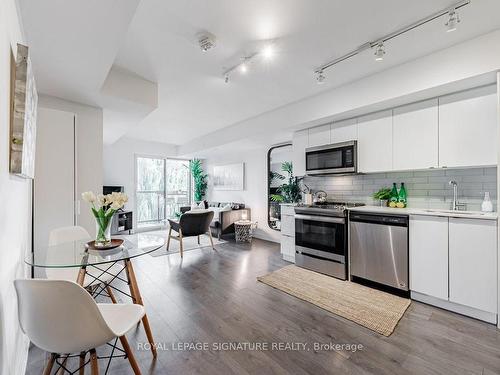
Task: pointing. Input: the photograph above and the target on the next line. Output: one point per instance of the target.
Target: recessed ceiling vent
(206, 41)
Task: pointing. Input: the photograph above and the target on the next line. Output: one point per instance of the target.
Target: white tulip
(116, 205)
(89, 196)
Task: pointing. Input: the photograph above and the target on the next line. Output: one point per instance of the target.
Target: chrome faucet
(455, 204)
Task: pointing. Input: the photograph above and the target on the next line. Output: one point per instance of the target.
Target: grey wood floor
(213, 297)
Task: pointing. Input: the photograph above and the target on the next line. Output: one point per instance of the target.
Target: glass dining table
(101, 266)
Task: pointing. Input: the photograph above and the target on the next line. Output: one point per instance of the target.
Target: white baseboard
(455, 307)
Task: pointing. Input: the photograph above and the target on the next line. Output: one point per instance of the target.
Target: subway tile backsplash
(426, 189)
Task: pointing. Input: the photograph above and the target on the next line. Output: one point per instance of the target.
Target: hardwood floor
(213, 297)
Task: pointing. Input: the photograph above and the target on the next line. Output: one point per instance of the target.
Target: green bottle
(393, 199)
(402, 196)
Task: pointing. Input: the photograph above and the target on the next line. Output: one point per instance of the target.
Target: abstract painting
(24, 101)
(229, 177)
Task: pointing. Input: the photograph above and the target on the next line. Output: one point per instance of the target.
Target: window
(162, 187)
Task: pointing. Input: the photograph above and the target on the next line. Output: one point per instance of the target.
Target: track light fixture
(453, 20)
(320, 77)
(451, 25)
(267, 53)
(380, 52)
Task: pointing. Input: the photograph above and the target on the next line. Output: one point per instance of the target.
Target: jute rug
(371, 308)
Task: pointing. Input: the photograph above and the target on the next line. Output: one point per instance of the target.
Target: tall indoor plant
(289, 192)
(199, 179)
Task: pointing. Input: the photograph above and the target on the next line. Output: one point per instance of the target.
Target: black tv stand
(122, 222)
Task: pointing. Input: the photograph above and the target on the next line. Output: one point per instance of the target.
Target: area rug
(190, 243)
(371, 308)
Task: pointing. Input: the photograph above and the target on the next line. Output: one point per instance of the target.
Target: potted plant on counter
(383, 196)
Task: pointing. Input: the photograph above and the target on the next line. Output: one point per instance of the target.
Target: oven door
(321, 237)
(331, 159)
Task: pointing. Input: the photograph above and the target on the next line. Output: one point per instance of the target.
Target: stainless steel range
(321, 238)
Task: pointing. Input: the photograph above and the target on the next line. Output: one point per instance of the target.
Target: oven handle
(326, 219)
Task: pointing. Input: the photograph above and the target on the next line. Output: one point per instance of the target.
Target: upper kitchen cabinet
(375, 142)
(415, 135)
(344, 131)
(468, 128)
(319, 136)
(299, 144)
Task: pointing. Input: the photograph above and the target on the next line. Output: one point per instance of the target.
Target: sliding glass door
(162, 187)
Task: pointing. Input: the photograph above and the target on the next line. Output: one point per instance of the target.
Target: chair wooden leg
(81, 371)
(130, 355)
(81, 276)
(48, 369)
(169, 235)
(211, 239)
(136, 294)
(111, 294)
(61, 370)
(198, 240)
(94, 366)
(181, 244)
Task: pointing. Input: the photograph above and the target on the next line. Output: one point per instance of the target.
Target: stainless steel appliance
(321, 238)
(379, 248)
(338, 158)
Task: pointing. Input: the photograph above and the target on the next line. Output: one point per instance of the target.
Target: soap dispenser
(487, 206)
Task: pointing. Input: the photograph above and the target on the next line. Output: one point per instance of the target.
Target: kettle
(319, 197)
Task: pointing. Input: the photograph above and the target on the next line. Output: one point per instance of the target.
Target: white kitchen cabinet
(288, 232)
(429, 255)
(468, 128)
(344, 131)
(299, 144)
(473, 263)
(319, 136)
(415, 136)
(375, 142)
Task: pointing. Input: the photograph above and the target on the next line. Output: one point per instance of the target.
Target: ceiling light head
(453, 20)
(226, 78)
(206, 41)
(267, 52)
(243, 67)
(320, 77)
(379, 52)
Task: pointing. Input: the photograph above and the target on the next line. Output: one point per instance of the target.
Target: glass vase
(103, 232)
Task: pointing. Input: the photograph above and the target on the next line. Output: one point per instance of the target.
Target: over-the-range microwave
(337, 158)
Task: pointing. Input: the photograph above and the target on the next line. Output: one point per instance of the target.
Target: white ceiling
(75, 43)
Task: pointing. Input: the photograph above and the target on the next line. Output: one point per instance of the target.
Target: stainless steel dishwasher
(379, 248)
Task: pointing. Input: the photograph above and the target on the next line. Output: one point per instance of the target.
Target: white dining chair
(77, 233)
(60, 317)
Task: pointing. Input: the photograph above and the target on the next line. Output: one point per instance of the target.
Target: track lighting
(453, 20)
(379, 52)
(451, 25)
(267, 53)
(320, 77)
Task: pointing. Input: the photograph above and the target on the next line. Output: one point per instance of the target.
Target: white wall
(254, 194)
(89, 149)
(119, 163)
(15, 212)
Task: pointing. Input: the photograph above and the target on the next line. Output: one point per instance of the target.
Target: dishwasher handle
(394, 220)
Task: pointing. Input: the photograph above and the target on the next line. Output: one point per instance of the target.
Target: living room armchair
(191, 224)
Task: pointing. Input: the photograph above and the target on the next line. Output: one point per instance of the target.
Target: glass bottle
(402, 196)
(393, 199)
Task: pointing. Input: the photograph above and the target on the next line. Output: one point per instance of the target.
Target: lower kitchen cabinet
(453, 264)
(473, 263)
(429, 255)
(288, 233)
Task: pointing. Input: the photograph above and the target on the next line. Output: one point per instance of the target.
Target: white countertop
(427, 211)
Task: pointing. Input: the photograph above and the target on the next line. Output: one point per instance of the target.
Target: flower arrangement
(103, 208)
